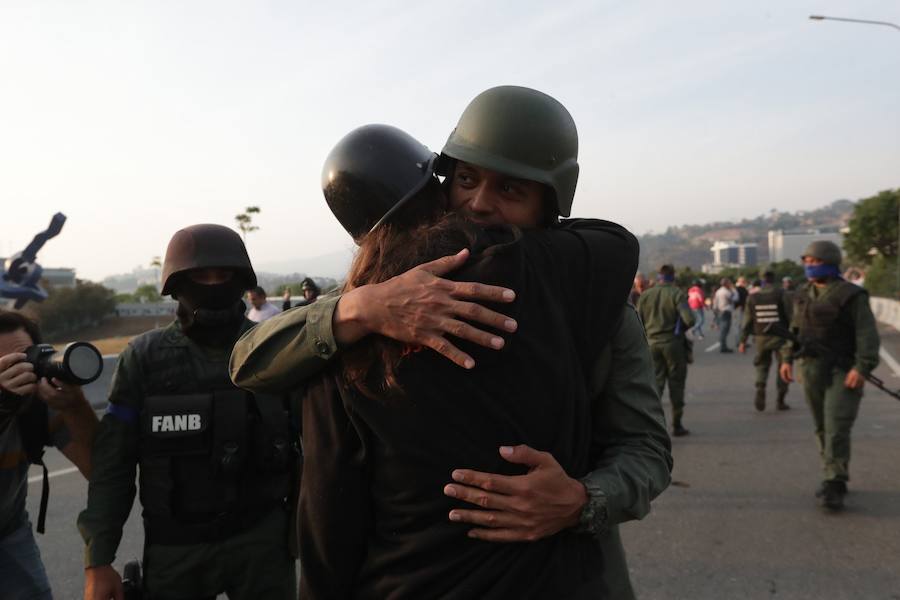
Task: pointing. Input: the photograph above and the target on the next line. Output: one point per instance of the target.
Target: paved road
(740, 521)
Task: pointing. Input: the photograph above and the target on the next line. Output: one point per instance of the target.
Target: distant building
(61, 277)
(731, 254)
(789, 245)
(146, 309)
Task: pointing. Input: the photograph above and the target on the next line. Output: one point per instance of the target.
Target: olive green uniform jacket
(834, 407)
(660, 308)
(630, 446)
(667, 317)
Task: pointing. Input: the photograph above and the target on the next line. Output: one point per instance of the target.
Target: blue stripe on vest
(125, 414)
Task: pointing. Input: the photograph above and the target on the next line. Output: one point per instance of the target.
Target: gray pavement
(739, 521)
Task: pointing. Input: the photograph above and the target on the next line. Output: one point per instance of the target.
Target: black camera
(80, 363)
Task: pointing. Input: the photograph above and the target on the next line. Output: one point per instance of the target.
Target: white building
(731, 254)
(789, 245)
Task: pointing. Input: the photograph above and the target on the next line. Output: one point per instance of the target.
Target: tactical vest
(768, 308)
(824, 321)
(214, 459)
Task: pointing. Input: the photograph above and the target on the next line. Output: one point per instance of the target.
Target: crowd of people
(827, 321)
(463, 420)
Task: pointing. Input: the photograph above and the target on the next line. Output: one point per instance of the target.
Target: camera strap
(35, 434)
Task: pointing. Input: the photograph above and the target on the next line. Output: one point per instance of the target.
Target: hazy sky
(137, 118)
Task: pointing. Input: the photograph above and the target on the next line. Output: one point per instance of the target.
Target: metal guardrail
(886, 310)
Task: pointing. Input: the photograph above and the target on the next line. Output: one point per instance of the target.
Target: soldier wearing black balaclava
(215, 463)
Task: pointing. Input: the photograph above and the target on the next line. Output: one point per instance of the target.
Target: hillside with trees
(688, 245)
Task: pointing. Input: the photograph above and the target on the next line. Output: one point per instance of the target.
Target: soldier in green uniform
(766, 308)
(216, 464)
(839, 346)
(509, 143)
(666, 315)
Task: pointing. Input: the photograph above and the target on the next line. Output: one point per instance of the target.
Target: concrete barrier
(886, 310)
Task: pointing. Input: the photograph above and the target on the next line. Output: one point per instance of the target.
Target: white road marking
(713, 347)
(52, 474)
(889, 361)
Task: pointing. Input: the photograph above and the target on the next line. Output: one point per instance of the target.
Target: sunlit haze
(137, 118)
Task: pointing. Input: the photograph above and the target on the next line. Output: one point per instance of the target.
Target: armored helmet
(523, 133)
(380, 165)
(205, 246)
(828, 252)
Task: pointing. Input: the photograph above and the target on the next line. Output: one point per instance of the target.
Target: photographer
(33, 414)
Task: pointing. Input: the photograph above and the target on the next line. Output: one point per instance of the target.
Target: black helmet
(828, 252)
(523, 133)
(379, 165)
(204, 246)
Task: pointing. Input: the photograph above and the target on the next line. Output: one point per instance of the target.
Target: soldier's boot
(782, 405)
(831, 494)
(760, 401)
(678, 430)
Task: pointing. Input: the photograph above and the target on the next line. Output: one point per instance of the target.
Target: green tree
(872, 241)
(70, 308)
(146, 293)
(156, 265)
(873, 228)
(245, 220)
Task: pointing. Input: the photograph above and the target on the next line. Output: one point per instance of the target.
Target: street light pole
(897, 27)
(864, 21)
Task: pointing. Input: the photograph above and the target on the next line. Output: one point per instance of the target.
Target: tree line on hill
(871, 244)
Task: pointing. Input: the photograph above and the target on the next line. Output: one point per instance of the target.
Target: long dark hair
(421, 234)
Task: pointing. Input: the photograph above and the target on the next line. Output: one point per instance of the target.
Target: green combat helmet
(827, 252)
(202, 246)
(520, 132)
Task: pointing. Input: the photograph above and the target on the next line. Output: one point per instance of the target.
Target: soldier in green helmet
(667, 317)
(511, 159)
(838, 345)
(765, 309)
(216, 465)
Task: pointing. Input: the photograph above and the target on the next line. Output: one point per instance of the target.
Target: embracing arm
(281, 352)
(630, 446)
(418, 307)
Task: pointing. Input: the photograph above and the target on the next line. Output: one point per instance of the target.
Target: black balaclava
(210, 314)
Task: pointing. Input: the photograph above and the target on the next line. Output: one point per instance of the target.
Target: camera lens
(83, 361)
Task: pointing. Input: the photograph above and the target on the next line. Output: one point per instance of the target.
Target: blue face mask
(821, 271)
(665, 278)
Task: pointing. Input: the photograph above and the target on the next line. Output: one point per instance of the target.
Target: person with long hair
(385, 424)
(512, 159)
